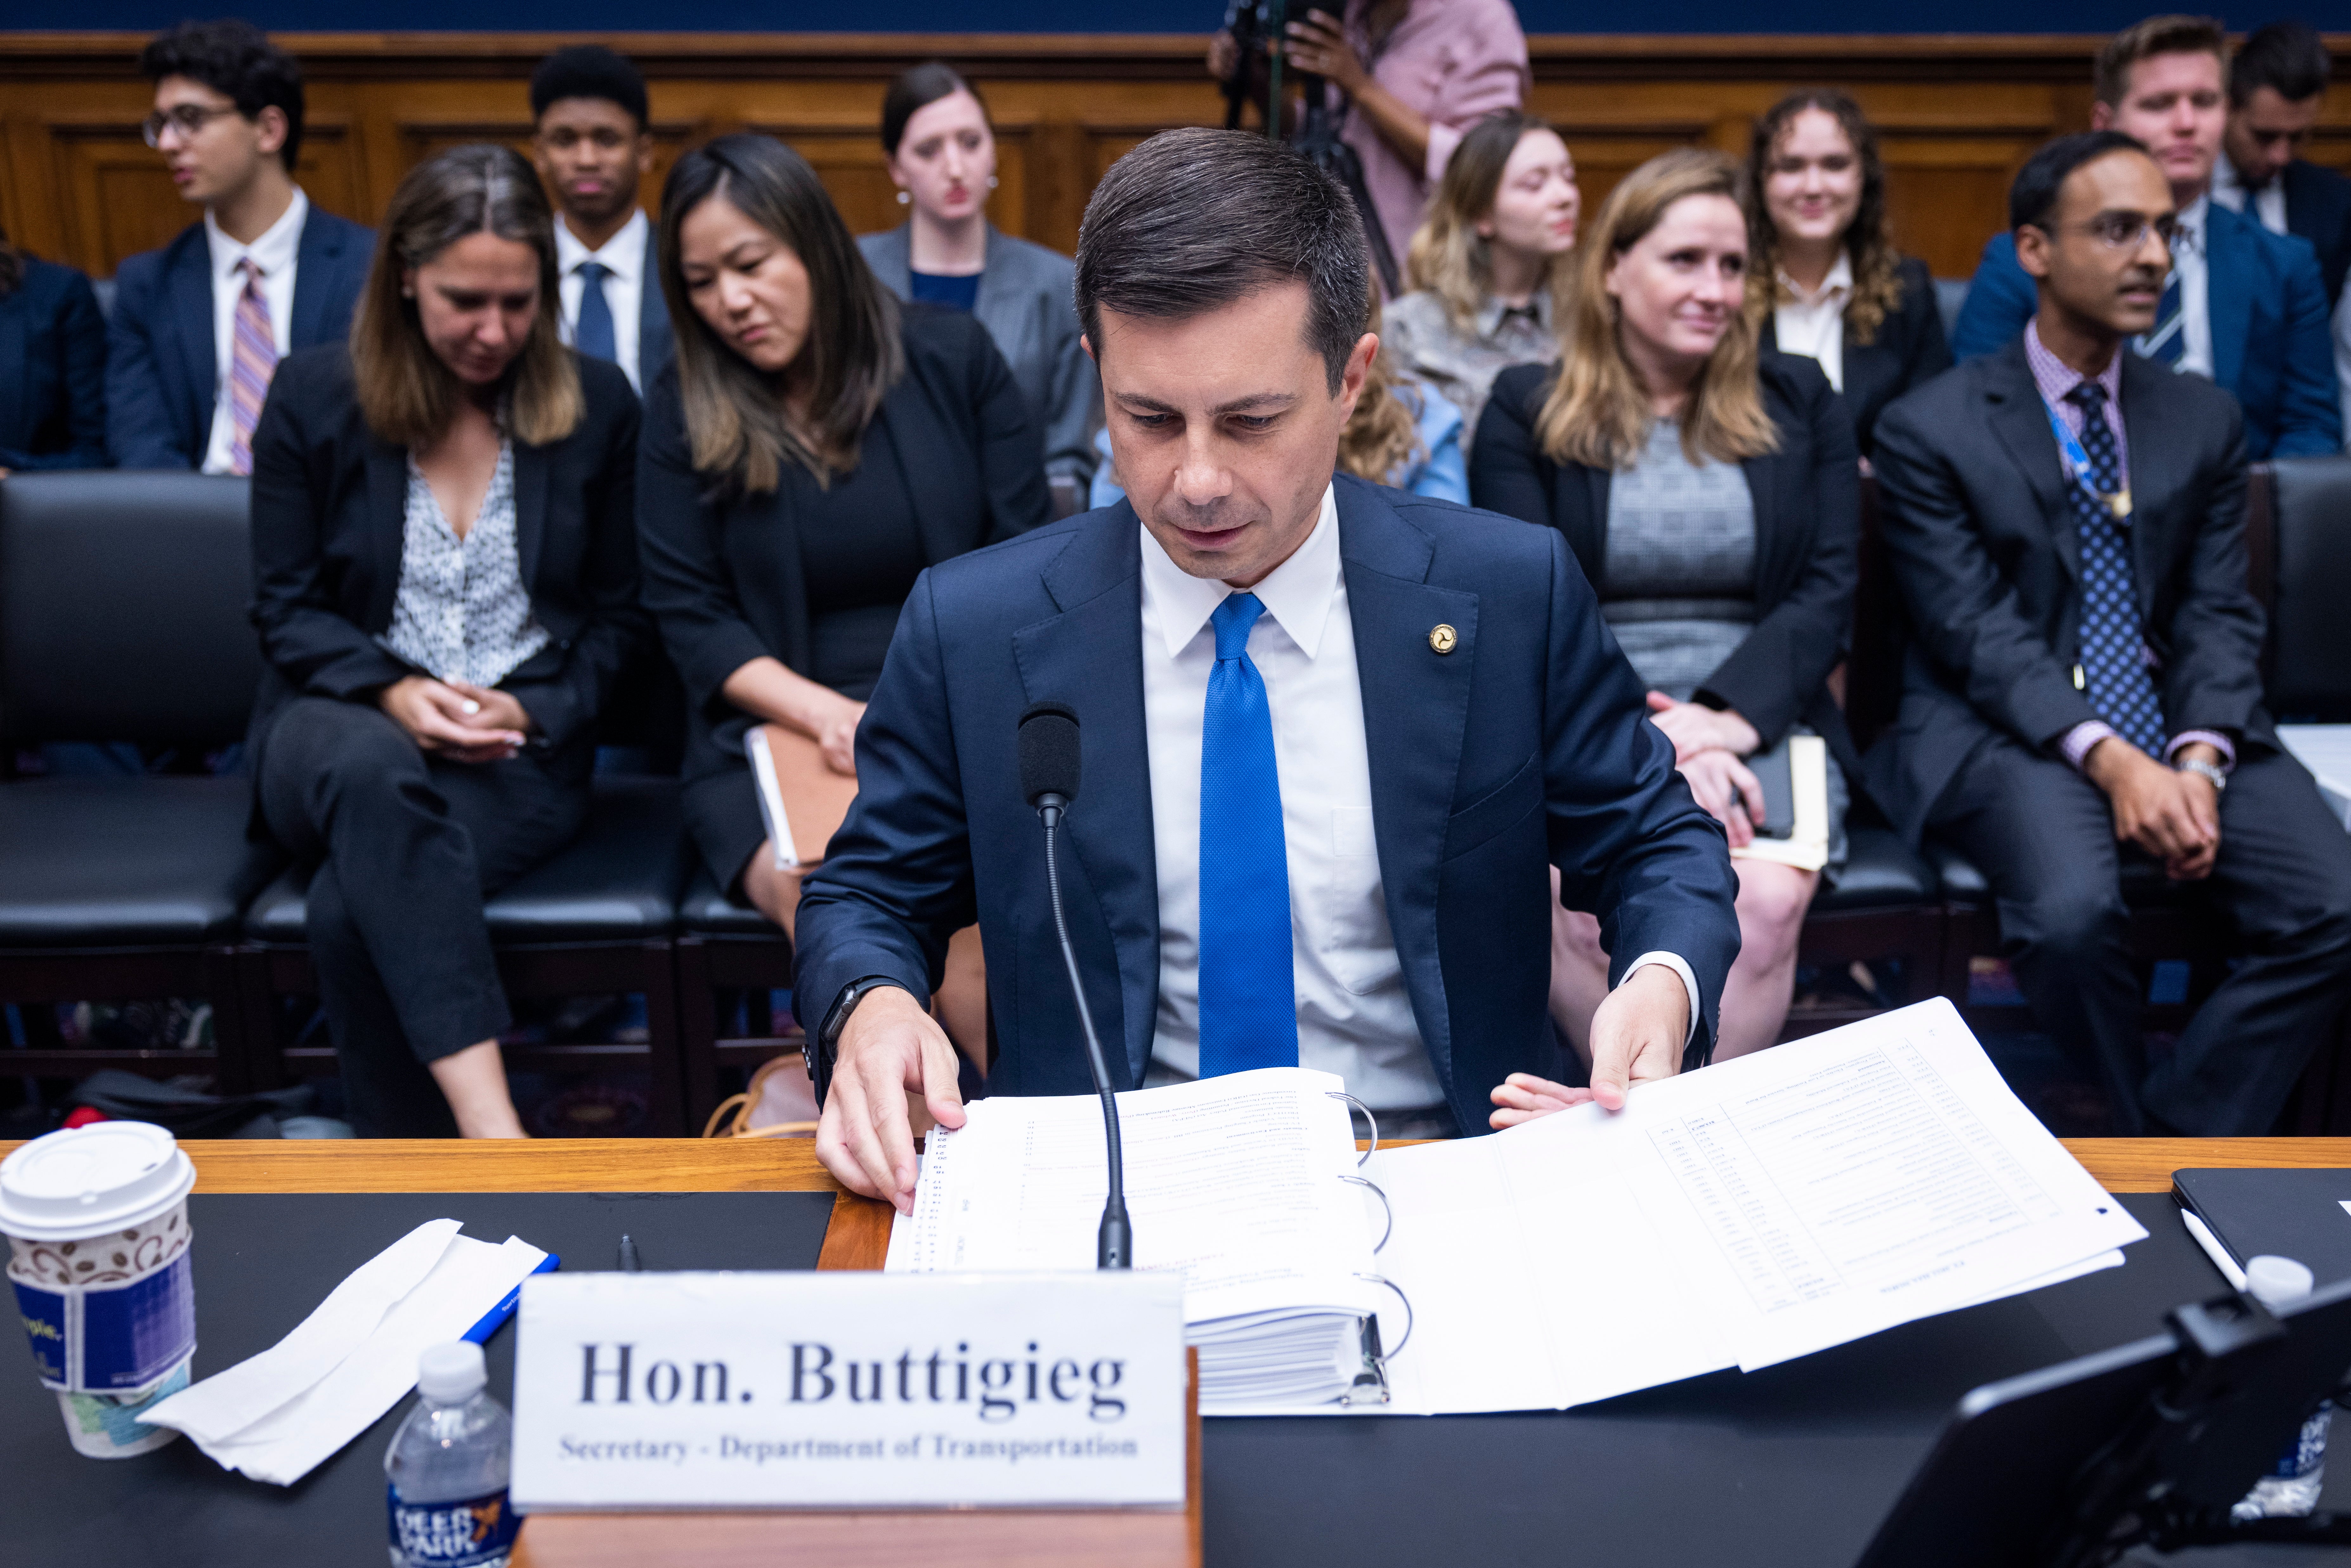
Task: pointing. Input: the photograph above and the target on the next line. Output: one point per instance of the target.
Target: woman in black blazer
(816, 445)
(446, 583)
(1824, 280)
(53, 346)
(1709, 493)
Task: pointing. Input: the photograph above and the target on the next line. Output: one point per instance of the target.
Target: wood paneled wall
(1956, 115)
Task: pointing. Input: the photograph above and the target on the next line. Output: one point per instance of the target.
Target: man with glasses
(590, 141)
(199, 325)
(2244, 308)
(2082, 692)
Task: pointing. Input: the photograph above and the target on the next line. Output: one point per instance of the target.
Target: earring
(991, 181)
(905, 196)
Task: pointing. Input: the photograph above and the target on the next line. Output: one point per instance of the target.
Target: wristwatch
(820, 1049)
(2207, 772)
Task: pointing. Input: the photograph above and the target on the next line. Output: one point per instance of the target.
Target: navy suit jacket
(655, 345)
(162, 374)
(1525, 747)
(52, 371)
(2273, 343)
(2318, 208)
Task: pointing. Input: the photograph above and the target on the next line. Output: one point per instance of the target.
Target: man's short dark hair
(237, 60)
(2288, 57)
(588, 71)
(2034, 194)
(2173, 34)
(1195, 219)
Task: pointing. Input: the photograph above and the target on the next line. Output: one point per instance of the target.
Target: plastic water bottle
(2291, 1489)
(445, 1472)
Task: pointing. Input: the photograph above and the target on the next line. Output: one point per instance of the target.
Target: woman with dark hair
(943, 159)
(52, 338)
(1825, 280)
(1490, 267)
(1709, 490)
(814, 448)
(446, 585)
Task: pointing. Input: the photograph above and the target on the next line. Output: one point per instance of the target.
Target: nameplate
(848, 1390)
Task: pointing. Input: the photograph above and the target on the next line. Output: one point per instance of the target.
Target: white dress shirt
(2269, 202)
(623, 259)
(2188, 258)
(1354, 1016)
(1813, 323)
(275, 252)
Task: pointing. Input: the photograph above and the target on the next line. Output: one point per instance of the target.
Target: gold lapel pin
(1442, 638)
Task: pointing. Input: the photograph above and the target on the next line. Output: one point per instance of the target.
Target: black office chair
(122, 619)
(2299, 534)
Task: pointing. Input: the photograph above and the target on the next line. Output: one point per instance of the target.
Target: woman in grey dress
(1711, 494)
(943, 158)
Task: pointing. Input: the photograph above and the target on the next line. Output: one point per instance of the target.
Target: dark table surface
(1794, 1465)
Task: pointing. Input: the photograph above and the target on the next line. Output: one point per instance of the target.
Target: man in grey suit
(2081, 688)
(590, 141)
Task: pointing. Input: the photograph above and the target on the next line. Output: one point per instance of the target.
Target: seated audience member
(1825, 280)
(943, 159)
(815, 447)
(1710, 494)
(1492, 263)
(446, 585)
(1320, 795)
(1401, 435)
(199, 325)
(2243, 308)
(590, 141)
(1407, 80)
(2277, 88)
(2083, 687)
(53, 344)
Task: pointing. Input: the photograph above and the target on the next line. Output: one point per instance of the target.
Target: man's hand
(890, 1047)
(1694, 728)
(437, 717)
(1638, 1033)
(2173, 815)
(1523, 1097)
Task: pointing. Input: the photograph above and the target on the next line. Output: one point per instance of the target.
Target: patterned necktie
(594, 338)
(2114, 664)
(253, 359)
(1248, 999)
(2168, 338)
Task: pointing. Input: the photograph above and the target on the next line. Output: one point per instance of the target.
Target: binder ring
(1385, 1207)
(1382, 1280)
(1375, 1120)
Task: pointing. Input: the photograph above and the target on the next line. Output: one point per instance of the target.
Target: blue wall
(1120, 16)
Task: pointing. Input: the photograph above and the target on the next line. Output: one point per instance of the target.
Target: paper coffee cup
(97, 1222)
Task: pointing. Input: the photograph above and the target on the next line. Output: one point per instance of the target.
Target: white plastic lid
(451, 1374)
(87, 1181)
(2274, 1280)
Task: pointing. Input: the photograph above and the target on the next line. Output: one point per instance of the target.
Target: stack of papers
(1238, 1182)
(279, 1416)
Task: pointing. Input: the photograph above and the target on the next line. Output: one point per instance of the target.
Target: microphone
(1049, 781)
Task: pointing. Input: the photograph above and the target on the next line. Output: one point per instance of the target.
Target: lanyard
(2077, 463)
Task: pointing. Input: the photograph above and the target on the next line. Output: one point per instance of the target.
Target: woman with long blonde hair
(1490, 266)
(1710, 492)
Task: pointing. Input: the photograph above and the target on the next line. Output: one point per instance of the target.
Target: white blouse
(461, 611)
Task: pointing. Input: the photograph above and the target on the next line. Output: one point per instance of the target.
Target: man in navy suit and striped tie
(1335, 737)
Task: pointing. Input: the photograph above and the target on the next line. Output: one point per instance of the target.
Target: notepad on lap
(801, 799)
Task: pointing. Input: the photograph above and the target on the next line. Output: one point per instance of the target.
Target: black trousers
(2044, 837)
(407, 847)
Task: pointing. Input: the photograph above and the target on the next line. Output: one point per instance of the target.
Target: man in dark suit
(199, 325)
(2277, 87)
(1334, 737)
(2245, 308)
(590, 141)
(2081, 687)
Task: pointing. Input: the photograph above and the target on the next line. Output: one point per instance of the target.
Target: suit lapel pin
(1442, 638)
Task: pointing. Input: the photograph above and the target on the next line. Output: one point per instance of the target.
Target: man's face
(220, 157)
(1224, 428)
(2102, 256)
(2175, 105)
(2270, 133)
(590, 152)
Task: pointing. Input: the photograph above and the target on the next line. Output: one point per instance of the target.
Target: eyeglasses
(2127, 231)
(189, 120)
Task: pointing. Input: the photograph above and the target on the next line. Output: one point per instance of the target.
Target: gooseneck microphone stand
(1048, 779)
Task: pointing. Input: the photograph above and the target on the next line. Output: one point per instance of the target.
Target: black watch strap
(820, 1049)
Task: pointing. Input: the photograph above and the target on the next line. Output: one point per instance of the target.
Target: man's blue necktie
(2114, 665)
(594, 338)
(2167, 339)
(1248, 1006)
